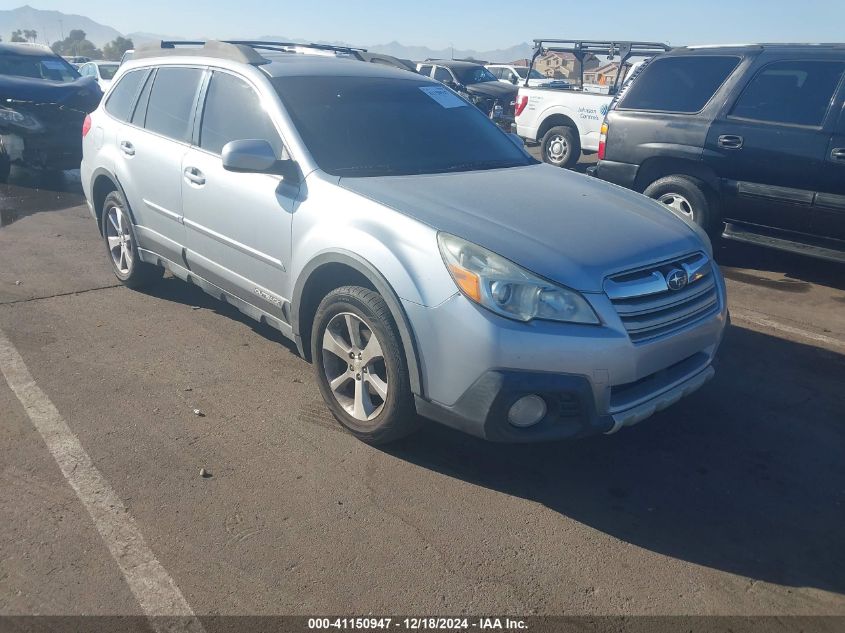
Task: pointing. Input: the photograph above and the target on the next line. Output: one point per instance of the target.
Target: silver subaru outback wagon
(425, 264)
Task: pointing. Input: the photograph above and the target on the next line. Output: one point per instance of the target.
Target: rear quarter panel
(586, 110)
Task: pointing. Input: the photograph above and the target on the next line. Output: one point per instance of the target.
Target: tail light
(521, 102)
(86, 125)
(603, 141)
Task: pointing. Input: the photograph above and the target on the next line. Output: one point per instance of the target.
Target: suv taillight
(86, 125)
(521, 102)
(603, 141)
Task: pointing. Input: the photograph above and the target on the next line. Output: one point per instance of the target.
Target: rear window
(123, 96)
(793, 92)
(171, 105)
(679, 84)
(49, 68)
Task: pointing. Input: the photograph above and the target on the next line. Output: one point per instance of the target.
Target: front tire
(360, 368)
(122, 245)
(561, 147)
(689, 197)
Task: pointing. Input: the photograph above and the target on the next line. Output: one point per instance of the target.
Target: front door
(769, 146)
(829, 216)
(238, 225)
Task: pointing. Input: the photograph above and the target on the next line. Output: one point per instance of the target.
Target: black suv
(749, 139)
(471, 79)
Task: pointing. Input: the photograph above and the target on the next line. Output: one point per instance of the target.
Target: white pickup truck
(568, 123)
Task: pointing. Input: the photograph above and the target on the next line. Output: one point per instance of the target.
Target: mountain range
(54, 25)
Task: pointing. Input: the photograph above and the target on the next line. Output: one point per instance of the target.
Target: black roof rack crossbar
(580, 49)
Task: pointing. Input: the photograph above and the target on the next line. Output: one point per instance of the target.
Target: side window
(123, 96)
(171, 103)
(233, 112)
(497, 72)
(425, 69)
(441, 74)
(679, 84)
(140, 114)
(792, 92)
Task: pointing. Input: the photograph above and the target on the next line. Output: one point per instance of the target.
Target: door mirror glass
(249, 156)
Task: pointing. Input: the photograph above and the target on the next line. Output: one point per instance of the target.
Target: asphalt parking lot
(730, 502)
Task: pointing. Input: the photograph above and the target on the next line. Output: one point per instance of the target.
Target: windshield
(372, 126)
(474, 75)
(36, 67)
(107, 71)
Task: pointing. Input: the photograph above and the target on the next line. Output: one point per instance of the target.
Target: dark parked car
(493, 97)
(745, 139)
(43, 103)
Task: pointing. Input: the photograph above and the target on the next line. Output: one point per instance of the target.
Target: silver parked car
(416, 254)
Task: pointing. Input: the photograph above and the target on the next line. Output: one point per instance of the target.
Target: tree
(115, 49)
(76, 45)
(30, 34)
(17, 36)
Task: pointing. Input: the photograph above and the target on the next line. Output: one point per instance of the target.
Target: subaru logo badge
(676, 279)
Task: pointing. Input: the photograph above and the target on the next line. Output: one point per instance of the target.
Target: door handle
(838, 153)
(731, 141)
(127, 148)
(194, 175)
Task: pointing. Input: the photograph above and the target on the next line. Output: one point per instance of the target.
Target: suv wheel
(361, 370)
(689, 197)
(121, 244)
(561, 147)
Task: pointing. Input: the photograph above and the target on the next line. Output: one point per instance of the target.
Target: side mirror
(514, 80)
(248, 156)
(257, 156)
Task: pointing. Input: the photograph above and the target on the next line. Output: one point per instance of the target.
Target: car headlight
(18, 119)
(509, 290)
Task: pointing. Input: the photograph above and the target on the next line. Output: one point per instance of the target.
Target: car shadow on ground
(739, 261)
(29, 192)
(177, 291)
(746, 476)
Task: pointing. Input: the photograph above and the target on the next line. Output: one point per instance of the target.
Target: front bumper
(594, 379)
(43, 150)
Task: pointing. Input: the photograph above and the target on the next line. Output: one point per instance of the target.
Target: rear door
(769, 144)
(151, 147)
(238, 224)
(829, 213)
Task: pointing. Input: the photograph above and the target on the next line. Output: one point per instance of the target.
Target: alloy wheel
(677, 202)
(353, 363)
(119, 239)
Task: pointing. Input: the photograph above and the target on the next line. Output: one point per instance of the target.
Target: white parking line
(152, 586)
(762, 321)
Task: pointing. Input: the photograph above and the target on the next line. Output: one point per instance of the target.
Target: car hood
(82, 94)
(497, 89)
(566, 227)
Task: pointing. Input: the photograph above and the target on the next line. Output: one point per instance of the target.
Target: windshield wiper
(481, 164)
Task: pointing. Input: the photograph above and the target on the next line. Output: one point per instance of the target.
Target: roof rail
(245, 51)
(197, 48)
(284, 46)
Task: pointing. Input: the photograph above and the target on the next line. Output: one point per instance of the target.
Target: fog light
(527, 411)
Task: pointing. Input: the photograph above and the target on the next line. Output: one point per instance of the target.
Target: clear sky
(476, 24)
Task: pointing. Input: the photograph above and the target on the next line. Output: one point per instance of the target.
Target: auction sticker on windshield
(444, 96)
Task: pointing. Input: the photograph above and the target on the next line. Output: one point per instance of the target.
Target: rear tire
(690, 197)
(360, 367)
(561, 147)
(122, 245)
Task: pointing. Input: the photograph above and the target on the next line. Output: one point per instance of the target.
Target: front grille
(649, 308)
